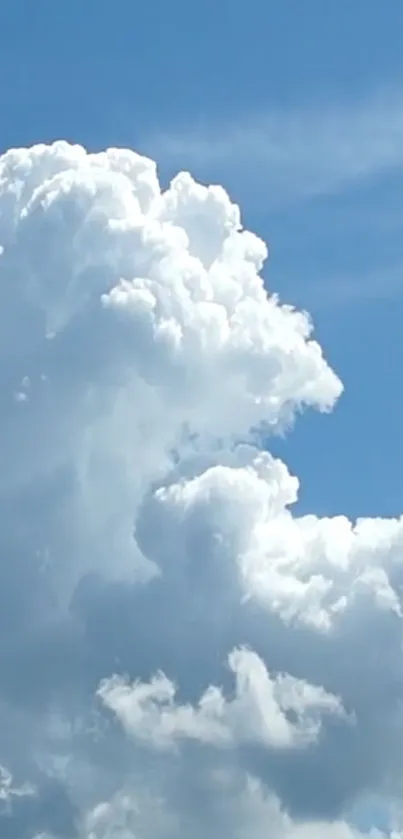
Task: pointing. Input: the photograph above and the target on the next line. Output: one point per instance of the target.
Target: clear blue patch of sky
(348, 273)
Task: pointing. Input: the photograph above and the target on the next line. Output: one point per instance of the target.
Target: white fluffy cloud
(257, 713)
(309, 570)
(148, 538)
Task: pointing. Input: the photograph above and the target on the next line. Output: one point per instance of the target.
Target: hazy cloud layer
(294, 152)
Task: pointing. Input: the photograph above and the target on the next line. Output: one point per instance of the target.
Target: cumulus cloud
(180, 653)
(257, 713)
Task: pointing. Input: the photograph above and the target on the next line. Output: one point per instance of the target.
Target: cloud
(9, 792)
(26, 811)
(294, 153)
(254, 813)
(257, 713)
(309, 570)
(180, 653)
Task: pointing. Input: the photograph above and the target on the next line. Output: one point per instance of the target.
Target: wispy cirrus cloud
(294, 152)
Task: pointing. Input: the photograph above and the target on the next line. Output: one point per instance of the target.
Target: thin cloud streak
(294, 154)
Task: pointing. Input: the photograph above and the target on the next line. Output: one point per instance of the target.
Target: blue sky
(295, 107)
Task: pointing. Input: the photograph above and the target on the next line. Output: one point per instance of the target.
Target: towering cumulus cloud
(180, 655)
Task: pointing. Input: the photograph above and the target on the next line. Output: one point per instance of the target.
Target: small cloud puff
(259, 712)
